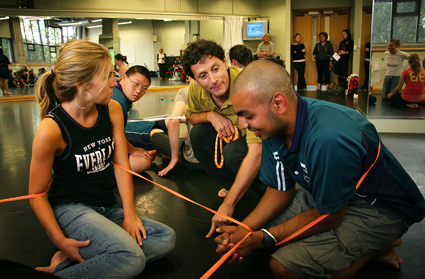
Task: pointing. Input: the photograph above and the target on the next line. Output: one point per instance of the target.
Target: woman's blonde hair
(79, 63)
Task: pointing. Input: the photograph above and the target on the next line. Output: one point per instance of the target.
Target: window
(402, 19)
(6, 45)
(42, 42)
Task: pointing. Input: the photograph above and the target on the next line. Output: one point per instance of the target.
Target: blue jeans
(390, 83)
(112, 252)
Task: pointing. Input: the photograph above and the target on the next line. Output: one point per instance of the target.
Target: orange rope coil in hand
(233, 137)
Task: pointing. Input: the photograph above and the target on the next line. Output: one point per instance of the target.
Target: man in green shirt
(210, 110)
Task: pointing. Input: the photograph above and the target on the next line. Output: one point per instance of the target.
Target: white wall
(172, 37)
(212, 30)
(138, 36)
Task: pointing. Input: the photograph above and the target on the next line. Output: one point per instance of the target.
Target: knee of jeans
(131, 263)
(165, 246)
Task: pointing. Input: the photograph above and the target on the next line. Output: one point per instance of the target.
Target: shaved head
(261, 79)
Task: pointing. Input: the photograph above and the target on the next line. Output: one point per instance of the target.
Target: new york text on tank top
(94, 161)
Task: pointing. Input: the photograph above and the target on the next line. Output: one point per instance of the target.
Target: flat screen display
(254, 29)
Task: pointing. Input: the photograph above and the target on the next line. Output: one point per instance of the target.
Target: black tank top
(83, 172)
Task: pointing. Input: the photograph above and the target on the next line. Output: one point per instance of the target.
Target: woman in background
(298, 60)
(394, 59)
(4, 73)
(80, 132)
(160, 59)
(121, 62)
(414, 78)
(323, 54)
(345, 49)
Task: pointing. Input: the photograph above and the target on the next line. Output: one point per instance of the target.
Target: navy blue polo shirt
(118, 95)
(333, 147)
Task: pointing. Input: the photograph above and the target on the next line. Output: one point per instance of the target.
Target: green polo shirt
(200, 100)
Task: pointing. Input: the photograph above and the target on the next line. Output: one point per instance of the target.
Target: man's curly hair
(197, 51)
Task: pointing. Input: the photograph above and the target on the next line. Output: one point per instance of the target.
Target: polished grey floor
(23, 239)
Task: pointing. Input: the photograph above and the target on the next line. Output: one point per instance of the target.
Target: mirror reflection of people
(414, 78)
(12, 82)
(345, 49)
(394, 59)
(41, 71)
(298, 60)
(4, 73)
(80, 132)
(121, 62)
(299, 134)
(323, 54)
(161, 59)
(265, 49)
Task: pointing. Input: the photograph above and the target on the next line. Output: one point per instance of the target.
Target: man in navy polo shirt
(133, 86)
(325, 148)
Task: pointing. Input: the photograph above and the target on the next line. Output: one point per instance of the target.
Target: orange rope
(185, 198)
(231, 251)
(306, 227)
(235, 136)
(224, 258)
(27, 196)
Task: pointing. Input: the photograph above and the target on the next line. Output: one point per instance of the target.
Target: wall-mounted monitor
(254, 30)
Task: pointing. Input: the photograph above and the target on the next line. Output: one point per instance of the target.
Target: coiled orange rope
(235, 136)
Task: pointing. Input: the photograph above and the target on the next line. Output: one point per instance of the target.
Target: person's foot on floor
(391, 257)
(222, 193)
(57, 258)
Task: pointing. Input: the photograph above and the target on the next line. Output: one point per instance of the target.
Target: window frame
(53, 44)
(395, 14)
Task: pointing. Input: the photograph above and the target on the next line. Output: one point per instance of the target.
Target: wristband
(268, 239)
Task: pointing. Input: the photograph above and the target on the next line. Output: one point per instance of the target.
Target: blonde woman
(81, 131)
(298, 60)
(161, 59)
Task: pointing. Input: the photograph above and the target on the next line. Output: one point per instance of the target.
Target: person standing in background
(344, 51)
(160, 59)
(298, 60)
(323, 54)
(265, 49)
(4, 73)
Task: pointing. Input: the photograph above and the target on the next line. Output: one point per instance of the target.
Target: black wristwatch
(268, 239)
